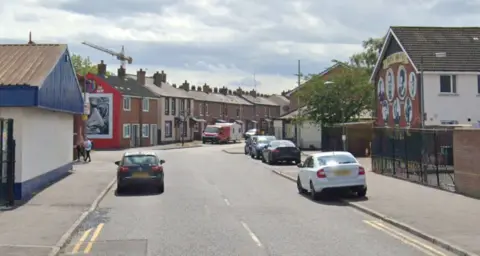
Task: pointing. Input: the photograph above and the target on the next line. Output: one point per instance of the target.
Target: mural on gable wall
(99, 124)
(398, 103)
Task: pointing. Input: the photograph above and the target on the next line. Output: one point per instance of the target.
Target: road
(223, 204)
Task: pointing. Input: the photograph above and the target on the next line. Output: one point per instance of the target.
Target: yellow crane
(120, 55)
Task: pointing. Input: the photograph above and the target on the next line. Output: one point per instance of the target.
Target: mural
(100, 121)
(398, 103)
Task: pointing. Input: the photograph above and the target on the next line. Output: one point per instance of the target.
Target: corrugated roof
(25, 64)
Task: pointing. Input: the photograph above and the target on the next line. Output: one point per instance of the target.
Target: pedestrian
(88, 147)
(80, 151)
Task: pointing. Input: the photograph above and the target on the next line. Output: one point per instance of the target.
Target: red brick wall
(137, 116)
(466, 156)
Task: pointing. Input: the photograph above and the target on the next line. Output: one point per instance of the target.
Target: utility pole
(297, 129)
(254, 104)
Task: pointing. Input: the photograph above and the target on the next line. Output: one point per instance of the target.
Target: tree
(84, 65)
(368, 57)
(341, 99)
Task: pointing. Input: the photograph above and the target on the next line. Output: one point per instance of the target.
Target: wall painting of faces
(401, 82)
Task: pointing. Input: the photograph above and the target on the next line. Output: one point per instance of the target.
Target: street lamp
(344, 134)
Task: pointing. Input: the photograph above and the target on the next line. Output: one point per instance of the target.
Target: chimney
(156, 79)
(174, 85)
(215, 90)
(230, 92)
(223, 90)
(141, 77)
(206, 88)
(253, 93)
(121, 72)
(193, 88)
(199, 88)
(185, 86)
(163, 77)
(234, 93)
(239, 91)
(101, 69)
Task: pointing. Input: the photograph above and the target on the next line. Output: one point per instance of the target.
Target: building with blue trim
(39, 90)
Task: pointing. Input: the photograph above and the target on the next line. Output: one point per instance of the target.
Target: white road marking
(226, 201)
(252, 235)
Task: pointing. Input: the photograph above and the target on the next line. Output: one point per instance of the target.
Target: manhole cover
(109, 248)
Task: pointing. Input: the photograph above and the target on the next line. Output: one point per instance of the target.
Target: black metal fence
(420, 155)
(7, 162)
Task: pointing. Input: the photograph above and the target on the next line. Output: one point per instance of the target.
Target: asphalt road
(227, 205)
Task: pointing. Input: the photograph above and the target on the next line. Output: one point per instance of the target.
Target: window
(225, 109)
(336, 159)
(126, 130)
(168, 129)
(145, 130)
(173, 106)
(201, 108)
(308, 162)
(188, 106)
(265, 113)
(146, 105)
(139, 160)
(448, 84)
(126, 103)
(269, 112)
(238, 112)
(478, 84)
(185, 127)
(182, 106)
(205, 109)
(167, 106)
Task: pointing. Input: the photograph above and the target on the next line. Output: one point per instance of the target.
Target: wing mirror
(300, 165)
(117, 163)
(162, 161)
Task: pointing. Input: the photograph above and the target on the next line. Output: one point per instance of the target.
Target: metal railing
(420, 155)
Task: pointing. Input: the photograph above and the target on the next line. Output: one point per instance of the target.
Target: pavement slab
(232, 205)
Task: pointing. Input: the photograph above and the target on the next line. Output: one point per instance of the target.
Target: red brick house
(123, 113)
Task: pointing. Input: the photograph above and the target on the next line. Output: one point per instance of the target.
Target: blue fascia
(18, 96)
(61, 91)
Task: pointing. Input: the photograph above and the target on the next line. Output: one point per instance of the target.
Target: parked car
(140, 168)
(248, 144)
(331, 170)
(281, 151)
(249, 133)
(258, 144)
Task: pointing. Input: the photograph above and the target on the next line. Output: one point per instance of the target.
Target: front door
(135, 136)
(153, 134)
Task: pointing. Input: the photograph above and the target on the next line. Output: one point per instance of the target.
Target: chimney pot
(199, 88)
(193, 88)
(101, 69)
(185, 86)
(174, 85)
(157, 79)
(121, 72)
(215, 90)
(141, 77)
(230, 92)
(163, 77)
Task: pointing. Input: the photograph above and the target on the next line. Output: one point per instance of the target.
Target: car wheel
(120, 189)
(297, 162)
(314, 195)
(246, 152)
(251, 155)
(161, 188)
(301, 190)
(362, 192)
(203, 142)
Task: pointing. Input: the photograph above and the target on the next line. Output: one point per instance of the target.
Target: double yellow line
(425, 248)
(84, 237)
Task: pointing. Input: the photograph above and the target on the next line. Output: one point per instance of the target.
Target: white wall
(43, 139)
(460, 106)
(171, 118)
(311, 134)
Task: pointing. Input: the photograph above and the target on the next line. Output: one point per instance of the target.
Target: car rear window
(265, 138)
(336, 159)
(140, 160)
(282, 143)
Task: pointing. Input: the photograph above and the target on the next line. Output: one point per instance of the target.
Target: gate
(7, 162)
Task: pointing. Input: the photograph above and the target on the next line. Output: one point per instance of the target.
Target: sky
(224, 42)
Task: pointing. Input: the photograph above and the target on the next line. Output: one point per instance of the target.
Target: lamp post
(344, 134)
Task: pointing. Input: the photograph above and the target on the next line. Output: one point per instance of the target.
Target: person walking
(88, 147)
(79, 148)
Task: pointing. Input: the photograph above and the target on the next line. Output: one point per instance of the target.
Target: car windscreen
(281, 143)
(132, 160)
(336, 159)
(265, 139)
(252, 131)
(211, 129)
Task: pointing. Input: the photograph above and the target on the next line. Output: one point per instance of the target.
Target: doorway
(153, 134)
(135, 136)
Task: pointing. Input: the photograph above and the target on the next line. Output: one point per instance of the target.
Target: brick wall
(466, 155)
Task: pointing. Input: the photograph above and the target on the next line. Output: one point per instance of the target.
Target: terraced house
(264, 110)
(175, 107)
(214, 105)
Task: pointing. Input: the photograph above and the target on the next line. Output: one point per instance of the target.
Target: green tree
(368, 57)
(84, 65)
(341, 99)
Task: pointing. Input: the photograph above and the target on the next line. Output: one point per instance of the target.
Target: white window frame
(453, 84)
(145, 130)
(206, 109)
(146, 104)
(200, 108)
(127, 103)
(127, 131)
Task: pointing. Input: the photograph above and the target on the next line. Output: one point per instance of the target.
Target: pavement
(229, 204)
(39, 226)
(447, 219)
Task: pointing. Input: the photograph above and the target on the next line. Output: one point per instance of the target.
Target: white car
(331, 170)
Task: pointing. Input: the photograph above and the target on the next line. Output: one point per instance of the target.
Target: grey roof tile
(259, 100)
(129, 86)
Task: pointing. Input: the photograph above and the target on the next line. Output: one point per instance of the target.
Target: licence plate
(140, 175)
(342, 173)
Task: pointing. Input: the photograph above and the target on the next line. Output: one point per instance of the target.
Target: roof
(292, 114)
(129, 86)
(326, 71)
(259, 100)
(279, 99)
(25, 64)
(460, 44)
(218, 97)
(166, 90)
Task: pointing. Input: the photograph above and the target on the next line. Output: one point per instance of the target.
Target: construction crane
(120, 55)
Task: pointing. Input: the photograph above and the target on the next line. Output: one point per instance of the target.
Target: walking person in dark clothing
(79, 148)
(88, 147)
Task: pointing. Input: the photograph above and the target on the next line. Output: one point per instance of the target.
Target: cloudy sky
(224, 42)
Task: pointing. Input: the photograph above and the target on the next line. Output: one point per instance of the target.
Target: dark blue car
(258, 144)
